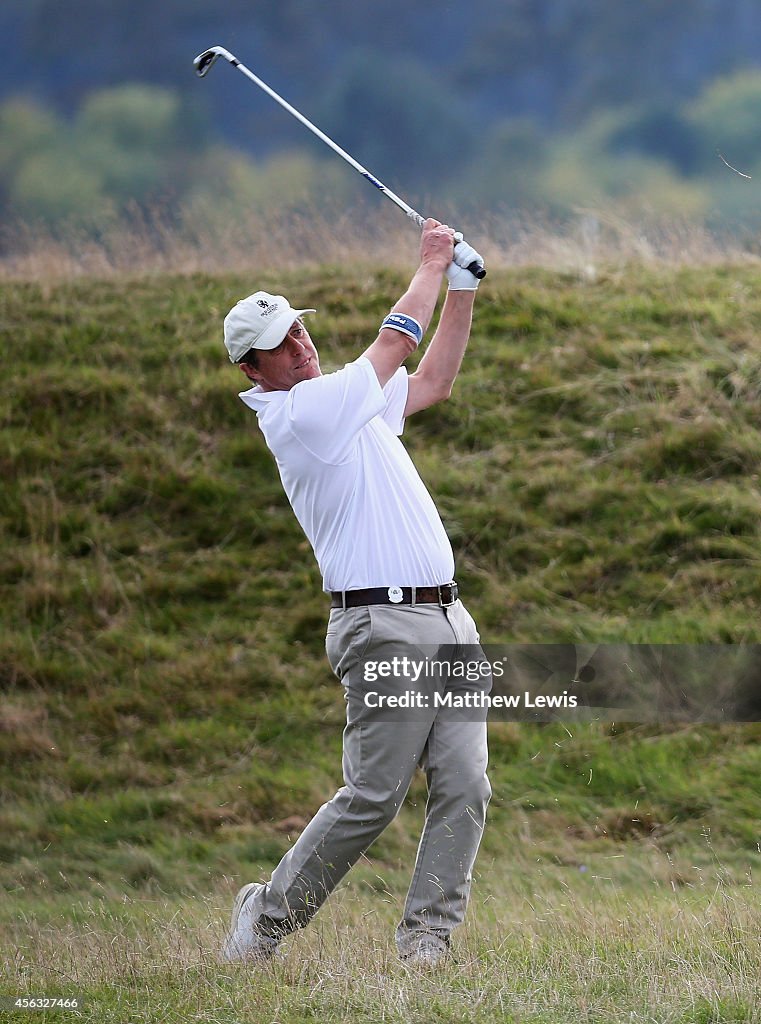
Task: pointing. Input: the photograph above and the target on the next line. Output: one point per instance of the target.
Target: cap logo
(268, 308)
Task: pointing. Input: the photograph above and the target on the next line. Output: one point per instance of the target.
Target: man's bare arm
(391, 348)
(434, 377)
(432, 381)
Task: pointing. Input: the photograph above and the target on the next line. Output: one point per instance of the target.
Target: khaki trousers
(381, 750)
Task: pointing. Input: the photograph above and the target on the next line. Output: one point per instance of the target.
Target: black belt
(444, 595)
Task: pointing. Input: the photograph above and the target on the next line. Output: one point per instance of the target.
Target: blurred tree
(237, 188)
(139, 146)
(658, 131)
(579, 172)
(406, 125)
(561, 60)
(133, 117)
(42, 175)
(127, 145)
(56, 186)
(554, 60)
(133, 137)
(727, 116)
(506, 169)
(25, 128)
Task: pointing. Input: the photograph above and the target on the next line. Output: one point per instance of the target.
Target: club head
(204, 61)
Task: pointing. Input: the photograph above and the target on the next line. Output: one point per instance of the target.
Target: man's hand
(460, 278)
(436, 244)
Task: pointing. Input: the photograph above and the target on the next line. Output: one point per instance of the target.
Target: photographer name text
(475, 699)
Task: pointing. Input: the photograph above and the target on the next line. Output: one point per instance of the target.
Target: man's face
(295, 359)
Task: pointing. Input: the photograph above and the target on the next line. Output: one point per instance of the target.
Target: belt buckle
(453, 592)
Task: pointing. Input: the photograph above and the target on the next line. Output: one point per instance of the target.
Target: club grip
(477, 270)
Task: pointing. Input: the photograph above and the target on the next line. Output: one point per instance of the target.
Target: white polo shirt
(351, 483)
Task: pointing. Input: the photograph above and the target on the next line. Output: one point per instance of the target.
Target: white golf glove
(460, 278)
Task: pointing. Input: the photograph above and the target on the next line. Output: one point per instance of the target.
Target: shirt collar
(257, 399)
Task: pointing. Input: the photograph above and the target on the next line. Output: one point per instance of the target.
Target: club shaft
(204, 62)
(413, 214)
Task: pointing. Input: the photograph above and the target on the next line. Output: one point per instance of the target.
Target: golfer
(388, 566)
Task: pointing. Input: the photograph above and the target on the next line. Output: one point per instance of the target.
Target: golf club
(203, 64)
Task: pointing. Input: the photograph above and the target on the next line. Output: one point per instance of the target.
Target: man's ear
(250, 372)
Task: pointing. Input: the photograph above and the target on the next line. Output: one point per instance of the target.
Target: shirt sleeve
(326, 413)
(395, 393)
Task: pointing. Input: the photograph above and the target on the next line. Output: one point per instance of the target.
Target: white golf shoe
(243, 941)
(426, 951)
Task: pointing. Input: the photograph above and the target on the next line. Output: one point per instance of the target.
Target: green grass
(168, 718)
(616, 937)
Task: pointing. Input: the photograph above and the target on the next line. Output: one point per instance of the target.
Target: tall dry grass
(148, 244)
(579, 954)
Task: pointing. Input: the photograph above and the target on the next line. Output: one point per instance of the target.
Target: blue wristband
(405, 325)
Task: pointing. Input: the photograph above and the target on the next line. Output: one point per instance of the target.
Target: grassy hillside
(168, 720)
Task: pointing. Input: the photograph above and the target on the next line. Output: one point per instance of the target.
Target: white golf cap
(259, 321)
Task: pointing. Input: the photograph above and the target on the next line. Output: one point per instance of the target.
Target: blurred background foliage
(530, 105)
